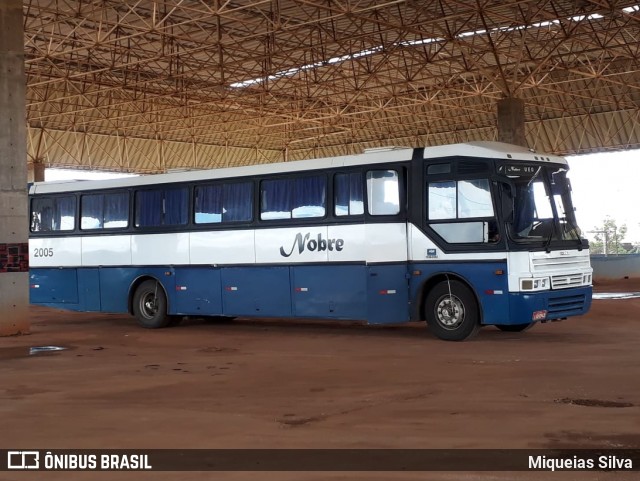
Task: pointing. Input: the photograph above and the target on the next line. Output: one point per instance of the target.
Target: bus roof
(494, 150)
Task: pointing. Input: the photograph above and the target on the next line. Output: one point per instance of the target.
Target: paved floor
(282, 384)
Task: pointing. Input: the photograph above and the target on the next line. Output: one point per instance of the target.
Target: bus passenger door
(386, 247)
(387, 294)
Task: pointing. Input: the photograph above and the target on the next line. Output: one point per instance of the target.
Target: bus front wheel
(150, 305)
(451, 311)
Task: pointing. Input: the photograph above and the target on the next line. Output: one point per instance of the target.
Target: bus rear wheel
(516, 327)
(451, 311)
(150, 305)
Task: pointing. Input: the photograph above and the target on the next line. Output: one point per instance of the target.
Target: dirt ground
(303, 384)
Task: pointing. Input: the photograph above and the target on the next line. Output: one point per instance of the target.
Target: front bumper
(559, 304)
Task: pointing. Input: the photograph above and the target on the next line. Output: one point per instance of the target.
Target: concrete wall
(14, 221)
(615, 267)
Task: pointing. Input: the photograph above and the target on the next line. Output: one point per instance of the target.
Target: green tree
(610, 234)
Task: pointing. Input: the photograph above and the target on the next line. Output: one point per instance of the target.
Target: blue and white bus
(460, 236)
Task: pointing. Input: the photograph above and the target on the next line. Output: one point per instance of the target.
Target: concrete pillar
(35, 172)
(14, 225)
(511, 121)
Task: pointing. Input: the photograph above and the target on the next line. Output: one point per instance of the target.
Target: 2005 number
(43, 252)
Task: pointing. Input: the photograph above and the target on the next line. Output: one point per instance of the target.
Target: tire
(150, 305)
(451, 311)
(516, 327)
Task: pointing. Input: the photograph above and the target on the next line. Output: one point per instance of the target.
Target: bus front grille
(564, 306)
(566, 281)
(544, 264)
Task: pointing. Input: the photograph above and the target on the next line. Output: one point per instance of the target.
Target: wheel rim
(149, 305)
(449, 312)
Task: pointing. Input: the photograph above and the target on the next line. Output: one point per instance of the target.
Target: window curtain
(64, 213)
(309, 197)
(349, 194)
(208, 204)
(238, 202)
(91, 211)
(148, 208)
(116, 210)
(356, 194)
(176, 205)
(277, 199)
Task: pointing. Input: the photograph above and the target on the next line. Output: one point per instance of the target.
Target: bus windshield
(542, 206)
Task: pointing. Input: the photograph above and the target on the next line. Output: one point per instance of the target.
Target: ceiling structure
(150, 86)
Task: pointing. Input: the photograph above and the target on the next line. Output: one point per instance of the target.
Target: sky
(606, 184)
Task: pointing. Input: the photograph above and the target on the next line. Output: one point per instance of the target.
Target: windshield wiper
(534, 176)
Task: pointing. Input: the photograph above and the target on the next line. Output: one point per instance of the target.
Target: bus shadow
(411, 330)
(310, 326)
(415, 330)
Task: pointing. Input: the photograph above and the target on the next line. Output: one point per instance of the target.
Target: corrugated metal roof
(156, 85)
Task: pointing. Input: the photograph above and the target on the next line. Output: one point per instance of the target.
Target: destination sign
(526, 170)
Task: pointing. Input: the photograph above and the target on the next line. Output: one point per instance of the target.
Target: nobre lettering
(302, 243)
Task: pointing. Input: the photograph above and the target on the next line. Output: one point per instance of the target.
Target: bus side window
(224, 203)
(383, 192)
(91, 211)
(238, 202)
(293, 198)
(41, 215)
(348, 194)
(42, 220)
(36, 226)
(116, 210)
(208, 204)
(442, 200)
(37, 215)
(161, 207)
(104, 211)
(47, 219)
(457, 203)
(53, 214)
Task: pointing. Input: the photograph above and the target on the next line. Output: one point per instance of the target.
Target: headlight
(536, 284)
(586, 279)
